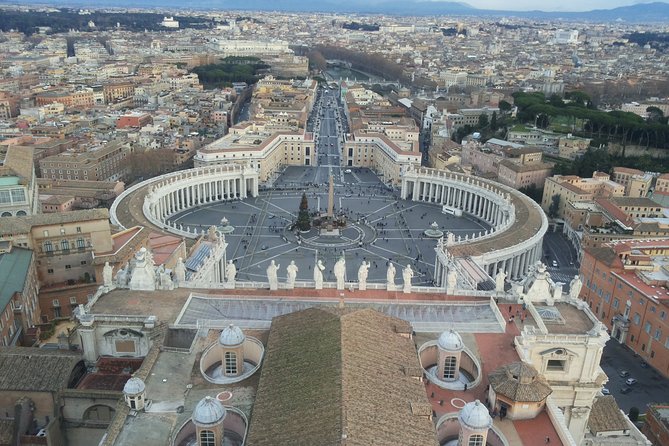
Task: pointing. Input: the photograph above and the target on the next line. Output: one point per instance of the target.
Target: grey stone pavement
(393, 227)
(254, 312)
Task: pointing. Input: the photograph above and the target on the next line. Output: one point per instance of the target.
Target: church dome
(475, 416)
(519, 381)
(231, 336)
(208, 411)
(134, 386)
(451, 341)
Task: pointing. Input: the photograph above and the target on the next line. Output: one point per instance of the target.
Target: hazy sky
(553, 5)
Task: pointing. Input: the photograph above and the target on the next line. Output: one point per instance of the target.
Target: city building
(636, 182)
(63, 244)
(626, 286)
(19, 305)
(104, 162)
(18, 191)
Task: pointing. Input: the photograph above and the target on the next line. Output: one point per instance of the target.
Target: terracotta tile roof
(519, 382)
(35, 369)
(337, 376)
(22, 225)
(18, 161)
(605, 416)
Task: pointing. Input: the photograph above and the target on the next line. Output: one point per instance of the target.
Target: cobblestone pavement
(390, 229)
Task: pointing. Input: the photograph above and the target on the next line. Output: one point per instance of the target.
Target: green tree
(483, 121)
(504, 106)
(554, 208)
(634, 414)
(493, 122)
(654, 114)
(303, 219)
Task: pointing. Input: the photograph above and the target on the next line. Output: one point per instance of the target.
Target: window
(555, 365)
(652, 309)
(62, 231)
(73, 300)
(65, 246)
(637, 319)
(658, 334)
(68, 266)
(230, 363)
(83, 262)
(616, 303)
(50, 270)
(450, 364)
(207, 438)
(56, 303)
(475, 440)
(647, 327)
(81, 244)
(663, 315)
(46, 233)
(48, 247)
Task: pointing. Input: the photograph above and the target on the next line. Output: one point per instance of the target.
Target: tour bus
(451, 211)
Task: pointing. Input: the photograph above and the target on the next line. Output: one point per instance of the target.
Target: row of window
(50, 270)
(62, 231)
(65, 245)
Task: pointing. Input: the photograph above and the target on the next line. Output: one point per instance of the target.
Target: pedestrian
(509, 309)
(548, 439)
(465, 387)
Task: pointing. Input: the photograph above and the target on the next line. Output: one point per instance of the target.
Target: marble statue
(164, 279)
(340, 272)
(450, 239)
(575, 287)
(499, 281)
(451, 280)
(291, 271)
(318, 274)
(212, 236)
(363, 271)
(121, 277)
(390, 277)
(407, 275)
(107, 275)
(180, 271)
(230, 274)
(272, 275)
(143, 277)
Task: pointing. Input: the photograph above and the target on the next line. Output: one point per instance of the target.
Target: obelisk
(331, 198)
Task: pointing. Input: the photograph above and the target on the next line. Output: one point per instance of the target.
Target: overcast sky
(553, 5)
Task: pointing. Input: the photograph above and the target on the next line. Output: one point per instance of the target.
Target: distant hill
(639, 13)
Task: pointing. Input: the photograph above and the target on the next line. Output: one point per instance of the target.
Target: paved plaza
(257, 312)
(381, 227)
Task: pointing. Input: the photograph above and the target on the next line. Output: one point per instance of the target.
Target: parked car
(605, 391)
(624, 373)
(347, 171)
(625, 390)
(630, 381)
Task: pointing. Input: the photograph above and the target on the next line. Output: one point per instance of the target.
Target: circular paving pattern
(458, 403)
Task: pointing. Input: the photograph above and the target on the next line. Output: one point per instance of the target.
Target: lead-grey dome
(231, 336)
(208, 411)
(475, 416)
(134, 386)
(451, 341)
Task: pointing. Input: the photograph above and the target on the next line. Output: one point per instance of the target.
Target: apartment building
(19, 305)
(104, 162)
(63, 243)
(637, 183)
(626, 284)
(570, 188)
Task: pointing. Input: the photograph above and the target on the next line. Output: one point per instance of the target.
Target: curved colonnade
(513, 244)
(518, 224)
(179, 191)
